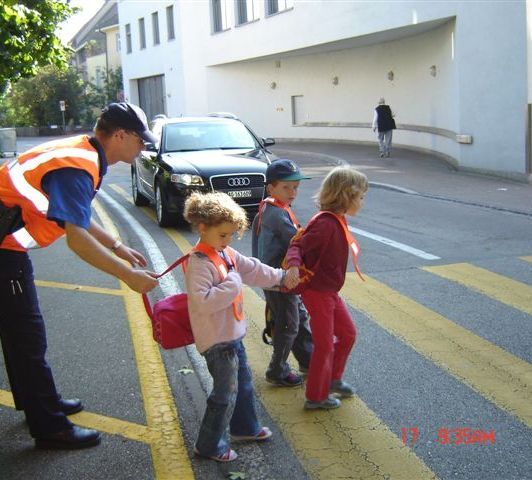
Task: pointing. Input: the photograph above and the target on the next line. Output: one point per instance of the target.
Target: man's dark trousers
(23, 336)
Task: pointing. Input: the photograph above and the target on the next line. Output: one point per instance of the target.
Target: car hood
(211, 162)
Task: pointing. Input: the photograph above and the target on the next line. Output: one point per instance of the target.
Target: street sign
(62, 105)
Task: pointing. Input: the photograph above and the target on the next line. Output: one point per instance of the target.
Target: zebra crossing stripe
(350, 442)
(503, 289)
(499, 376)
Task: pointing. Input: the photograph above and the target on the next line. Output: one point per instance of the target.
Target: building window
(275, 6)
(220, 11)
(170, 22)
(244, 11)
(142, 34)
(117, 41)
(128, 38)
(98, 77)
(155, 28)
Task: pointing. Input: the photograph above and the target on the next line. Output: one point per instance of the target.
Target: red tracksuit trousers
(333, 335)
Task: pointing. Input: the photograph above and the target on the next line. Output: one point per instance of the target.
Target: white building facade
(456, 74)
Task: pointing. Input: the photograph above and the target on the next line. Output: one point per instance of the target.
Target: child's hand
(291, 279)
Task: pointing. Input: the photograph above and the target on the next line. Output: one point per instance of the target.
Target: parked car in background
(217, 152)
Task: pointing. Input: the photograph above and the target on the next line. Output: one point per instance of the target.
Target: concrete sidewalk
(415, 173)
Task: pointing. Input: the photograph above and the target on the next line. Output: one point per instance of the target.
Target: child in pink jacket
(214, 277)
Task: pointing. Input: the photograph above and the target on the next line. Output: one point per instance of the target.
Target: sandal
(264, 434)
(228, 456)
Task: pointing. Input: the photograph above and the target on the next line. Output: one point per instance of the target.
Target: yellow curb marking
(501, 377)
(112, 426)
(169, 453)
(505, 290)
(351, 442)
(80, 288)
(6, 399)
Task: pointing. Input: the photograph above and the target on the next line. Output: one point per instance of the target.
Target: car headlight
(186, 179)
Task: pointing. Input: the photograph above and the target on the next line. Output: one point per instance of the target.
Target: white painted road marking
(393, 243)
(167, 283)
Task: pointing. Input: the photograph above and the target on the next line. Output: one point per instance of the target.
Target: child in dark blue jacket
(272, 230)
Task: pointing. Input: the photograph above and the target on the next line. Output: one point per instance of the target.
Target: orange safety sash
(222, 267)
(351, 242)
(277, 203)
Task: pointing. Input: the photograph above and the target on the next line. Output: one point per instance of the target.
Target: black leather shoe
(70, 406)
(70, 439)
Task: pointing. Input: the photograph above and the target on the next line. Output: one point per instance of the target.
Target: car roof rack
(223, 115)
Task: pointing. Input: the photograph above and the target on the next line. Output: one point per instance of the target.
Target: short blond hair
(340, 188)
(213, 209)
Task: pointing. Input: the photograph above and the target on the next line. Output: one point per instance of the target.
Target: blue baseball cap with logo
(285, 171)
(129, 117)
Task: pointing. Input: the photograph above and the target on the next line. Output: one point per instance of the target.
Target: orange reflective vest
(305, 275)
(20, 184)
(276, 203)
(221, 266)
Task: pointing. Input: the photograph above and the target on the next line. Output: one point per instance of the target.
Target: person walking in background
(273, 228)
(384, 123)
(44, 194)
(214, 276)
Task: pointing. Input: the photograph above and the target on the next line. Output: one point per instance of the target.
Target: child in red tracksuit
(323, 248)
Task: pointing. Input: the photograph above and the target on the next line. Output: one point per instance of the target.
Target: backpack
(169, 317)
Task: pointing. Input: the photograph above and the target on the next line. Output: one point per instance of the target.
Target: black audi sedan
(211, 153)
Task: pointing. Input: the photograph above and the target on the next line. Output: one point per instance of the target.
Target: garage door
(152, 97)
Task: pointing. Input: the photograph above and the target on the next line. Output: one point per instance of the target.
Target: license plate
(239, 193)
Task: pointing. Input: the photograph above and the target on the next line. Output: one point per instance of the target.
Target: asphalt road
(444, 342)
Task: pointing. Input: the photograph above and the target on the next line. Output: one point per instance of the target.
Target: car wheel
(139, 199)
(164, 217)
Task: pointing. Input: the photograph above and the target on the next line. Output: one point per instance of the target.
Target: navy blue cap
(284, 170)
(129, 117)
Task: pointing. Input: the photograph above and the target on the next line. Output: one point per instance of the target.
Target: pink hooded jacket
(210, 298)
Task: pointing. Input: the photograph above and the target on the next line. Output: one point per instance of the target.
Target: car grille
(245, 189)
(239, 182)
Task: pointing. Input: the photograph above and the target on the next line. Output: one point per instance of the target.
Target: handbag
(169, 317)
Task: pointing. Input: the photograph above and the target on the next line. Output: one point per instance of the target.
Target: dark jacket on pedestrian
(385, 119)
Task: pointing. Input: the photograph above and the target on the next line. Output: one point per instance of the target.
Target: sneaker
(327, 404)
(343, 389)
(228, 456)
(263, 434)
(291, 380)
(381, 155)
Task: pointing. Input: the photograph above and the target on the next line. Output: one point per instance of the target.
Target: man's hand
(130, 255)
(142, 281)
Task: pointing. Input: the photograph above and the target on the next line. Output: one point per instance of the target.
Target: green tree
(113, 85)
(35, 101)
(28, 39)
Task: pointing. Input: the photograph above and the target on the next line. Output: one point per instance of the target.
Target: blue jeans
(231, 402)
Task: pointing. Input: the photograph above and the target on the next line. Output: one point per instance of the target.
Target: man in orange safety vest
(44, 194)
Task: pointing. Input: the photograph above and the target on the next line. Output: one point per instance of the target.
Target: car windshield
(193, 136)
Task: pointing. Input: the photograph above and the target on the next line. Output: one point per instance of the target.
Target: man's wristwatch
(116, 245)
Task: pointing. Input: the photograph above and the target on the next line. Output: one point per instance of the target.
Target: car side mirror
(268, 142)
(150, 147)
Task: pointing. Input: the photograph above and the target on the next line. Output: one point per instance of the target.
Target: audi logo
(239, 182)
